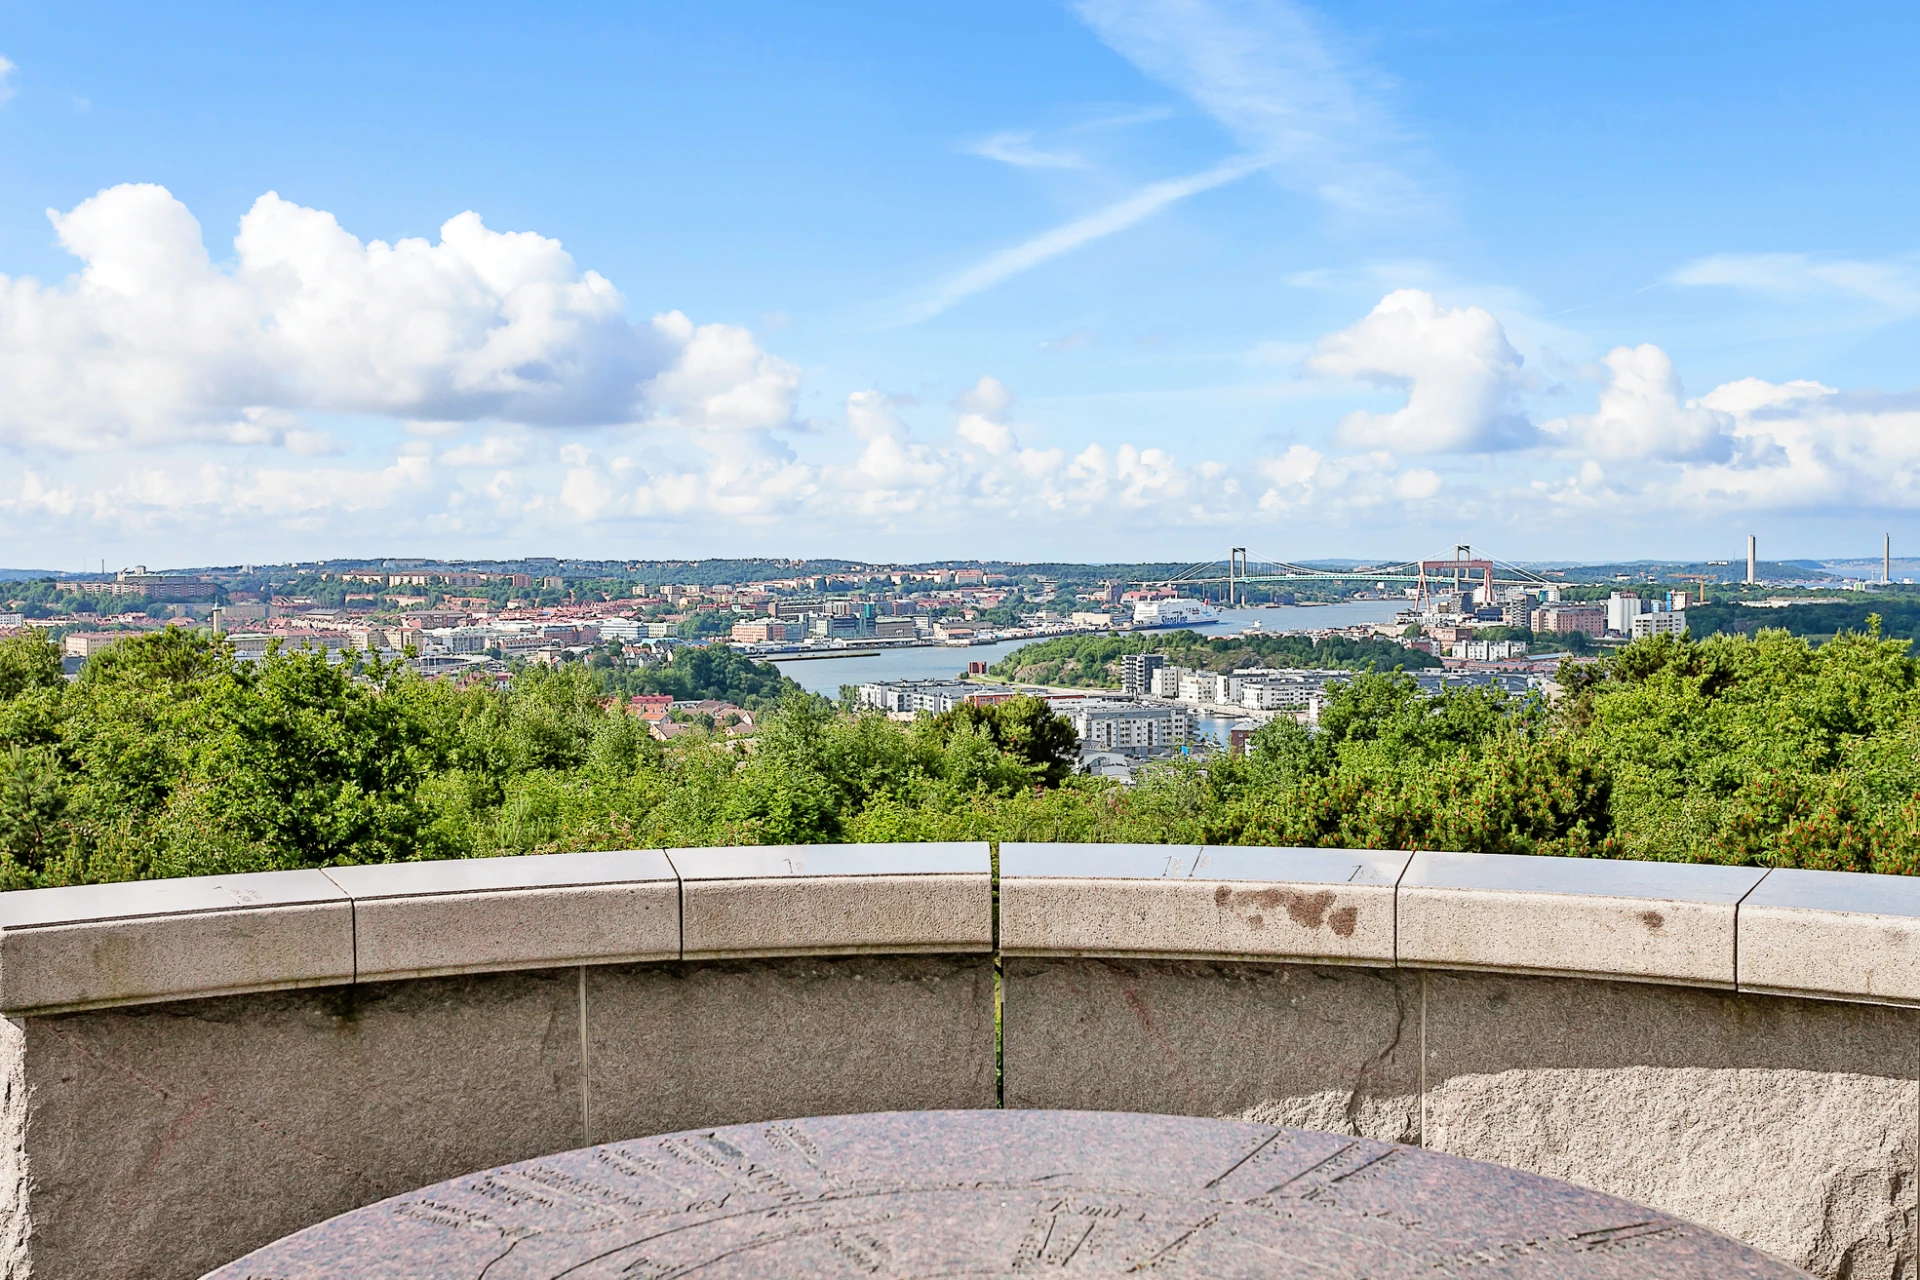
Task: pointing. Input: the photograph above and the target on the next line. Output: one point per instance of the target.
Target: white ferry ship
(1174, 613)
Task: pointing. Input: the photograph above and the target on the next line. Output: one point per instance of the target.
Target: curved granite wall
(196, 1067)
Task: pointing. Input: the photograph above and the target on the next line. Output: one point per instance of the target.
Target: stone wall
(195, 1068)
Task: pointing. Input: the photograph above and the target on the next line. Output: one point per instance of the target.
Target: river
(940, 662)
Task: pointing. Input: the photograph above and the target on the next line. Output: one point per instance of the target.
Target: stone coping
(1194, 901)
(835, 899)
(1603, 918)
(752, 862)
(478, 915)
(1832, 934)
(91, 945)
(1826, 935)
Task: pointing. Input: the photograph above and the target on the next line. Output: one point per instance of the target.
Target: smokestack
(1886, 566)
(1753, 559)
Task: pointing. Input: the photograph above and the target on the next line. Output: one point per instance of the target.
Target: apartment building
(1209, 687)
(1560, 620)
(1136, 672)
(761, 631)
(1115, 725)
(1667, 622)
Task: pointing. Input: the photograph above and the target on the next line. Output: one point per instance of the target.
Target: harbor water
(941, 662)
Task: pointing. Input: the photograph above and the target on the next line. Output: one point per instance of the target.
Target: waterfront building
(1136, 672)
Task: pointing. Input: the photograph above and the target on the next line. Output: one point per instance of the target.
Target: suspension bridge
(1462, 571)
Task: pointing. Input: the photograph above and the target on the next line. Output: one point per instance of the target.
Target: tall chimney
(1886, 566)
(1753, 559)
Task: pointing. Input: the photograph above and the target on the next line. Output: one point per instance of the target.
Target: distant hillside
(1899, 618)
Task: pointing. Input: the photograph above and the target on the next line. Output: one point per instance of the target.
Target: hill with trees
(1093, 661)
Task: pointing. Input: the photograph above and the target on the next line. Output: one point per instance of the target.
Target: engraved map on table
(1001, 1193)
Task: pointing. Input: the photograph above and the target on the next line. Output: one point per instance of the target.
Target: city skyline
(1113, 280)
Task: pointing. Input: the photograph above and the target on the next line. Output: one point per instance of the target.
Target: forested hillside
(167, 757)
(1899, 618)
(696, 672)
(1093, 661)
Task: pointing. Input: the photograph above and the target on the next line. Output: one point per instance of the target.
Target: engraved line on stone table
(791, 1138)
(1175, 1245)
(764, 1240)
(1266, 1153)
(1629, 1235)
(1638, 1233)
(1262, 1145)
(760, 1210)
(495, 1259)
(635, 1164)
(1317, 1164)
(1364, 1165)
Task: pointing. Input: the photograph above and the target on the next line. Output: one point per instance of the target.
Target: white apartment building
(1623, 608)
(1489, 650)
(1129, 726)
(520, 644)
(1164, 682)
(932, 696)
(1288, 695)
(1200, 687)
(1670, 622)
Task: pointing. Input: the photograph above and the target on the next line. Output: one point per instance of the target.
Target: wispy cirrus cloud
(1018, 149)
(1023, 149)
(7, 68)
(1270, 73)
(1117, 216)
(1267, 72)
(1891, 282)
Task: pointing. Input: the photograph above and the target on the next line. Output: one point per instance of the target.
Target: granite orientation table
(1002, 1193)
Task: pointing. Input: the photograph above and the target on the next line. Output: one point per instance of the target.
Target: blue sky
(1112, 278)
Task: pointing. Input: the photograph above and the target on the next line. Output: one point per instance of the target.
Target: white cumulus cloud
(1803, 447)
(983, 416)
(1644, 414)
(1456, 366)
(721, 379)
(151, 342)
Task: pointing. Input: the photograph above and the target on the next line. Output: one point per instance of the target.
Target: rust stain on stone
(1652, 919)
(1308, 910)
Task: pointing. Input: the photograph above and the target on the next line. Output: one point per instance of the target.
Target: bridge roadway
(195, 1068)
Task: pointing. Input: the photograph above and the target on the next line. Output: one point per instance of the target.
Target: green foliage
(1093, 661)
(169, 757)
(1899, 615)
(1024, 729)
(704, 671)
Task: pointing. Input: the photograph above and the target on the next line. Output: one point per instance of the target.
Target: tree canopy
(169, 756)
(1093, 661)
